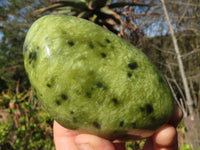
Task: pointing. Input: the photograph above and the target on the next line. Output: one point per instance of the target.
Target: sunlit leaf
(106, 10)
(50, 7)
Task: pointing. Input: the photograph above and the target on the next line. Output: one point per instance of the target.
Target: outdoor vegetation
(167, 31)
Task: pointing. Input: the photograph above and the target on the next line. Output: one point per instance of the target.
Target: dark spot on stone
(107, 40)
(72, 112)
(147, 109)
(71, 43)
(129, 74)
(99, 85)
(142, 109)
(74, 120)
(50, 82)
(132, 65)
(100, 44)
(48, 85)
(64, 97)
(115, 101)
(88, 94)
(103, 55)
(96, 125)
(58, 102)
(121, 124)
(32, 56)
(91, 45)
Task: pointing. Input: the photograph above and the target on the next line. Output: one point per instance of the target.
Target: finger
(176, 117)
(163, 139)
(91, 142)
(166, 134)
(64, 138)
(166, 138)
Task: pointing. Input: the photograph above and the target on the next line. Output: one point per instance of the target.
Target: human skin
(164, 139)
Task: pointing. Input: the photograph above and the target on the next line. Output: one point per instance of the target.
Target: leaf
(75, 4)
(110, 15)
(50, 7)
(106, 10)
(85, 14)
(97, 4)
(6, 97)
(122, 4)
(63, 4)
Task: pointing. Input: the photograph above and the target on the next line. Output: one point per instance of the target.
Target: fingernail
(84, 147)
(167, 136)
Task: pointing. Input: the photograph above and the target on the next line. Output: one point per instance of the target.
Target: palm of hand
(164, 139)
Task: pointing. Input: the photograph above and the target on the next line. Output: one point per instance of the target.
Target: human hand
(163, 139)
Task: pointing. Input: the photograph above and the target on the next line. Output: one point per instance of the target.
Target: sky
(1, 35)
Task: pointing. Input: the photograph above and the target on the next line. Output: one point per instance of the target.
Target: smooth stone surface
(91, 80)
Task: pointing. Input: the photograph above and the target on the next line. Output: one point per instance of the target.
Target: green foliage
(24, 124)
(93, 10)
(135, 145)
(185, 147)
(161, 51)
(15, 19)
(101, 12)
(4, 130)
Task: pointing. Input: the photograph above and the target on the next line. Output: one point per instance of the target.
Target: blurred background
(168, 32)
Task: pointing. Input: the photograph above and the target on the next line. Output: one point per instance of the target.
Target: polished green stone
(91, 80)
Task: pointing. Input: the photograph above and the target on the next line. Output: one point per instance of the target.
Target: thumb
(166, 138)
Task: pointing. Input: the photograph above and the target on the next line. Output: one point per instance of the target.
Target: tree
(15, 19)
(177, 37)
(180, 62)
(106, 13)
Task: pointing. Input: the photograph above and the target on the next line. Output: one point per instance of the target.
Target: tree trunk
(192, 125)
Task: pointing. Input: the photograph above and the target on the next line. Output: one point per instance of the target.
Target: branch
(179, 102)
(182, 3)
(162, 50)
(59, 4)
(185, 11)
(53, 6)
(190, 53)
(10, 68)
(122, 4)
(180, 63)
(175, 82)
(197, 76)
